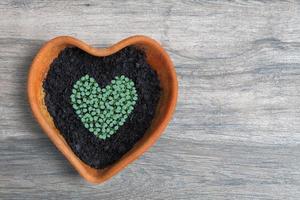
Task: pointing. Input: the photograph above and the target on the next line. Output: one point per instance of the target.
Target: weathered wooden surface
(236, 131)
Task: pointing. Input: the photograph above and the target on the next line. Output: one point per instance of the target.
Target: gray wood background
(236, 130)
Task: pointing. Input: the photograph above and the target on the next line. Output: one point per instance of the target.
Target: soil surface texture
(73, 63)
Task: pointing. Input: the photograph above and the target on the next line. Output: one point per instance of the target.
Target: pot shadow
(39, 142)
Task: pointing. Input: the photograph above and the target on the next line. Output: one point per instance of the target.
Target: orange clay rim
(58, 140)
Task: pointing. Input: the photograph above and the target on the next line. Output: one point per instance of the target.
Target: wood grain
(236, 131)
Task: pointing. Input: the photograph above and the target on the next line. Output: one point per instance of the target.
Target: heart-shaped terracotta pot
(156, 57)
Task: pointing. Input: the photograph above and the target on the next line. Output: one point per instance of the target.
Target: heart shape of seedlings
(103, 111)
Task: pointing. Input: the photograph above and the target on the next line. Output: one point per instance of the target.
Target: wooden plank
(235, 134)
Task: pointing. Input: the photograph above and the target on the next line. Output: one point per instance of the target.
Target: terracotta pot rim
(54, 134)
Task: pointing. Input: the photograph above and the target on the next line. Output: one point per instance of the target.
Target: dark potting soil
(73, 63)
